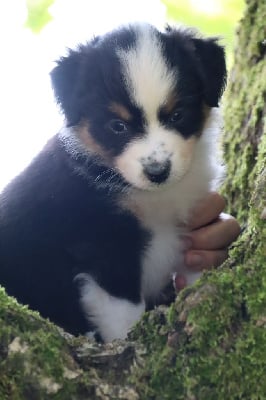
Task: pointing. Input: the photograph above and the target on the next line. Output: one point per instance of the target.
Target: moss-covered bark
(211, 343)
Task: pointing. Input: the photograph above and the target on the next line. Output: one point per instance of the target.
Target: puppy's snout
(157, 172)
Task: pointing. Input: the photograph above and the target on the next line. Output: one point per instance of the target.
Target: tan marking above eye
(170, 103)
(120, 110)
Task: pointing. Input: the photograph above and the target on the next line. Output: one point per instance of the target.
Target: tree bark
(210, 343)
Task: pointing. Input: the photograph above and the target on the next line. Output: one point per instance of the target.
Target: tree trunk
(209, 344)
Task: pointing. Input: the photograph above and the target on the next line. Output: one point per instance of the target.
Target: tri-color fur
(89, 232)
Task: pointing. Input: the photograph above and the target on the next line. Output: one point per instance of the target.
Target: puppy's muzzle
(157, 172)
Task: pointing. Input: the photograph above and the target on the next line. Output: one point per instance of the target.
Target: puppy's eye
(176, 116)
(118, 126)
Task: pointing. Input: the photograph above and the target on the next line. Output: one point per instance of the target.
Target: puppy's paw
(112, 316)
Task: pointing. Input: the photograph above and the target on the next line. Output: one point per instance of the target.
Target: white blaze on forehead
(147, 75)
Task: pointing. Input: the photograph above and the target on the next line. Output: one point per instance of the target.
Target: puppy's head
(138, 99)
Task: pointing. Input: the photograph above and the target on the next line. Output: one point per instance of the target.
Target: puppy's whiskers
(115, 183)
(126, 188)
(111, 179)
(100, 176)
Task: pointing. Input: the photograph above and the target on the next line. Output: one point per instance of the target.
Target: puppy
(90, 231)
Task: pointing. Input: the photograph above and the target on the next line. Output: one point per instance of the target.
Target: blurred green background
(212, 17)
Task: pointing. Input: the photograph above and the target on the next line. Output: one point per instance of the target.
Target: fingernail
(194, 260)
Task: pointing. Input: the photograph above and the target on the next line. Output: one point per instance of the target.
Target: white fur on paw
(112, 316)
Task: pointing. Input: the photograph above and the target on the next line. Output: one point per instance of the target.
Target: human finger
(198, 260)
(207, 211)
(217, 235)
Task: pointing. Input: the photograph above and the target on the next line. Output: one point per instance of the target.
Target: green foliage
(38, 14)
(221, 22)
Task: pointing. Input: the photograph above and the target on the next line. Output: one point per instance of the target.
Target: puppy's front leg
(112, 316)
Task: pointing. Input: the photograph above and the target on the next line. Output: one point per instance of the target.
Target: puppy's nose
(157, 172)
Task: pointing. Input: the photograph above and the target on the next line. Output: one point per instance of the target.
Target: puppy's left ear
(66, 84)
(210, 60)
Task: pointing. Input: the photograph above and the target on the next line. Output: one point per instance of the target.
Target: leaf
(38, 14)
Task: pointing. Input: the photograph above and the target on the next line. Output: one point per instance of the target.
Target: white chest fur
(160, 260)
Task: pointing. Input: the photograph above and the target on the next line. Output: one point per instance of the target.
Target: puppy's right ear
(65, 82)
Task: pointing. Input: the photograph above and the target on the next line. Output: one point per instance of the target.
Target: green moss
(244, 126)
(216, 346)
(36, 361)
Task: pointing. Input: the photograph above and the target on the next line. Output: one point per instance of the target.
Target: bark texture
(210, 343)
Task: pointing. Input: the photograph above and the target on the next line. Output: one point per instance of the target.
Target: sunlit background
(34, 33)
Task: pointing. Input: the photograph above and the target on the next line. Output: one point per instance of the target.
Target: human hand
(210, 233)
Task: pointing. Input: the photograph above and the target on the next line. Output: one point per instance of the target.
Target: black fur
(54, 225)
